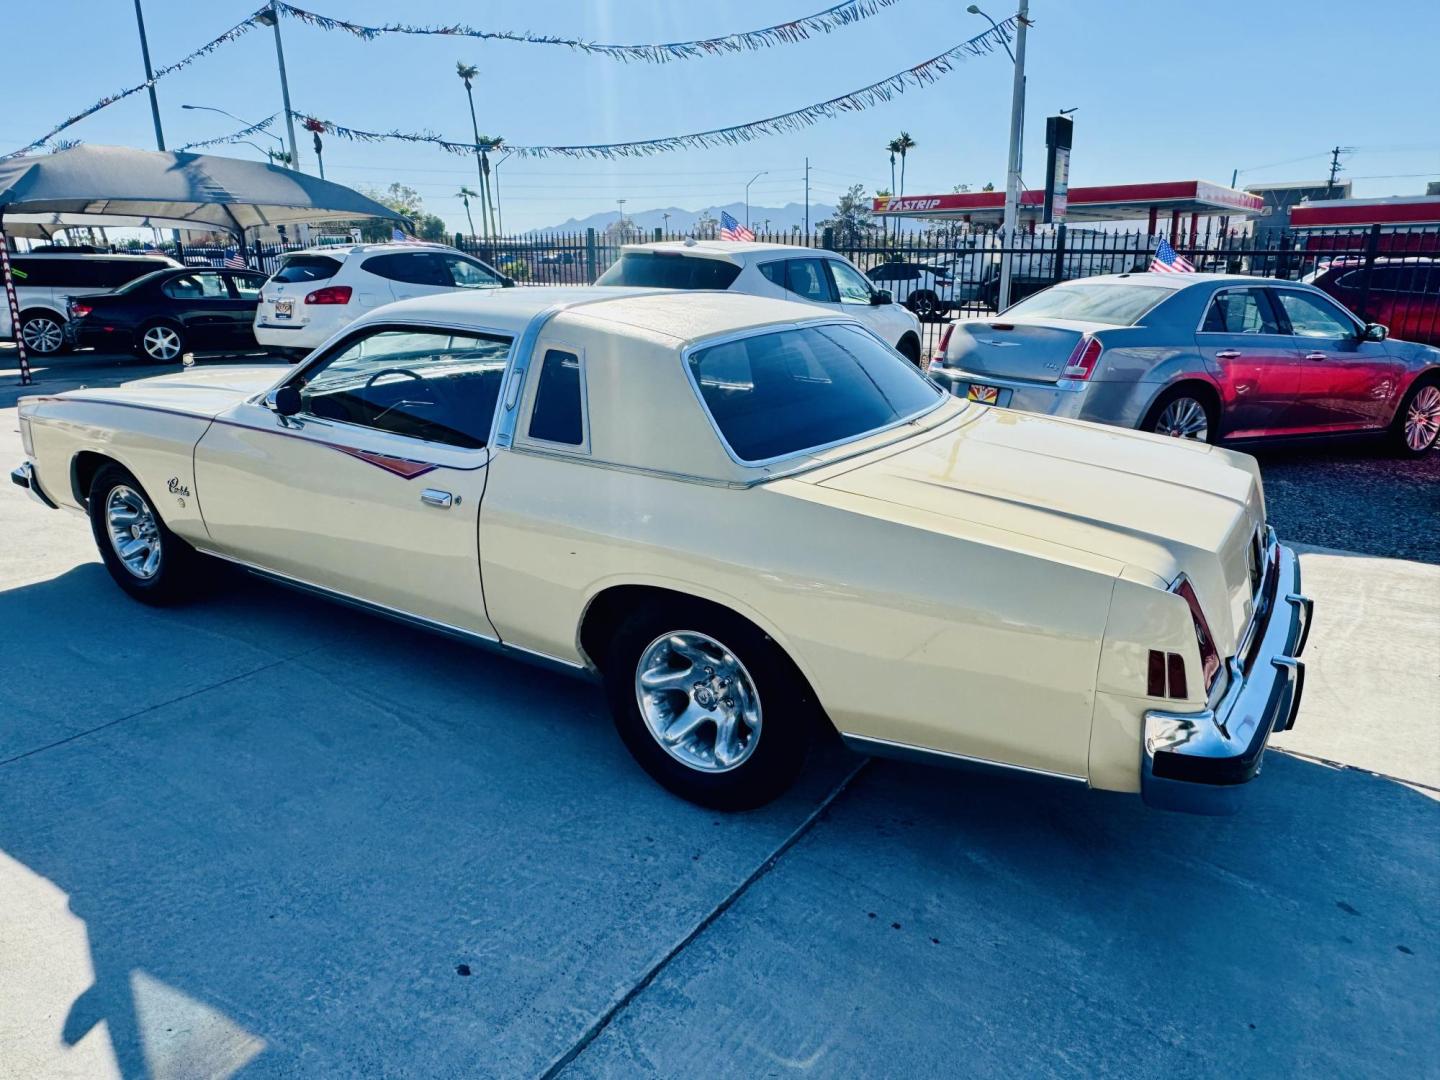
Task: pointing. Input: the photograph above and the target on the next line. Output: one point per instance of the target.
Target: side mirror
(881, 296)
(1375, 332)
(285, 400)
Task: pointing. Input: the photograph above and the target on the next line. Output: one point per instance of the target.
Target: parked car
(1402, 293)
(777, 270)
(747, 517)
(315, 292)
(169, 312)
(1201, 357)
(924, 289)
(43, 281)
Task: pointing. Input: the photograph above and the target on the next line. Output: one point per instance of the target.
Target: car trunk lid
(1035, 350)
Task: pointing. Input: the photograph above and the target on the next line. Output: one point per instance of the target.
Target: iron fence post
(1372, 245)
(1058, 270)
(827, 239)
(592, 267)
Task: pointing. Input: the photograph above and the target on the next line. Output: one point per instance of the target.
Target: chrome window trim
(1221, 291)
(507, 410)
(1310, 290)
(778, 328)
(581, 449)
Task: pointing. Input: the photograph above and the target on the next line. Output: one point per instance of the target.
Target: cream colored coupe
(747, 519)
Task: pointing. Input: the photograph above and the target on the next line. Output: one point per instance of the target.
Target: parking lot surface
(266, 836)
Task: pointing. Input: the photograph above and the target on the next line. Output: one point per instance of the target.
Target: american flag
(234, 260)
(1168, 261)
(399, 237)
(730, 229)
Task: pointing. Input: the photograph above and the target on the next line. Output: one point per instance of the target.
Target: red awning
(1397, 210)
(1108, 202)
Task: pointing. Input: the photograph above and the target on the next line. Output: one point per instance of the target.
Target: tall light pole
(620, 221)
(1017, 139)
(270, 17)
(149, 78)
(239, 120)
(747, 195)
(499, 215)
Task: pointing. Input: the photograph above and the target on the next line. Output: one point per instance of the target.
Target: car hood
(1162, 505)
(196, 391)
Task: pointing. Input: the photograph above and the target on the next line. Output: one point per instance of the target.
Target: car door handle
(1315, 356)
(436, 497)
(1228, 354)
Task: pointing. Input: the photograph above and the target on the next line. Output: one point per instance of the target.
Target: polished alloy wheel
(1184, 418)
(134, 534)
(42, 335)
(1422, 419)
(161, 343)
(698, 701)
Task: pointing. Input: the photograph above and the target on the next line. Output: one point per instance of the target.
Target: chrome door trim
(866, 744)
(459, 633)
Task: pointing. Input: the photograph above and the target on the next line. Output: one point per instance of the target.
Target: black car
(170, 312)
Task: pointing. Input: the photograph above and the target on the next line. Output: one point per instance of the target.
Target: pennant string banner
(240, 29)
(234, 136)
(921, 74)
(832, 18)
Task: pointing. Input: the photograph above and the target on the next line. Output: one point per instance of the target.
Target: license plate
(985, 395)
(284, 309)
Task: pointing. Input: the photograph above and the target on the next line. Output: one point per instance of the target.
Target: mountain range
(781, 218)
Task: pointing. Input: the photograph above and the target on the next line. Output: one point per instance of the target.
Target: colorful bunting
(832, 18)
(234, 136)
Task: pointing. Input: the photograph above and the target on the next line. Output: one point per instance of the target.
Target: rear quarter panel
(155, 445)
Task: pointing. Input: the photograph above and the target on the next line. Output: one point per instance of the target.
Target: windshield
(774, 395)
(1116, 304)
(657, 270)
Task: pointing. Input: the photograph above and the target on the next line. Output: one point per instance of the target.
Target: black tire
(924, 304)
(909, 348)
(1176, 396)
(1400, 430)
(43, 332)
(176, 572)
(156, 332)
(787, 714)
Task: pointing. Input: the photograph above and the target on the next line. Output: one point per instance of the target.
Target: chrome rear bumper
(1198, 762)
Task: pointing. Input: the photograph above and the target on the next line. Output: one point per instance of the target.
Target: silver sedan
(1197, 356)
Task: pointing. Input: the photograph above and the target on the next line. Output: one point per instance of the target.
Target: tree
(430, 227)
(467, 73)
(851, 222)
(902, 144)
(404, 200)
(620, 229)
(466, 194)
(960, 189)
(989, 187)
(706, 224)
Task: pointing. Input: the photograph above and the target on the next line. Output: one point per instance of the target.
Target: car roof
(1174, 282)
(740, 252)
(680, 315)
(345, 250)
(94, 255)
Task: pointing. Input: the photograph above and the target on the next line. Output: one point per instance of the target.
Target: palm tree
(466, 194)
(894, 147)
(467, 73)
(902, 144)
(486, 144)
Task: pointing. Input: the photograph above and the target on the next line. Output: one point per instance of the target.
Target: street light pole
(747, 195)
(271, 18)
(1009, 235)
(149, 78)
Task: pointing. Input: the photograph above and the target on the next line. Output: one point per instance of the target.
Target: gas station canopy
(1108, 202)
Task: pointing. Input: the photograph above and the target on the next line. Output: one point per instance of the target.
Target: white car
(43, 280)
(783, 271)
(320, 290)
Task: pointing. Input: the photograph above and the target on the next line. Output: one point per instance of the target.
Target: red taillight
(944, 341)
(79, 311)
(1209, 655)
(1083, 359)
(331, 294)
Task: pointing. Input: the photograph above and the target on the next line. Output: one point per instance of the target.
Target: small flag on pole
(730, 229)
(1169, 261)
(401, 238)
(233, 260)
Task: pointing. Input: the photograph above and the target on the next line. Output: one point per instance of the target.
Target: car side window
(247, 286)
(201, 285)
(426, 384)
(558, 414)
(774, 273)
(468, 274)
(1239, 311)
(807, 278)
(1313, 316)
(850, 284)
(412, 268)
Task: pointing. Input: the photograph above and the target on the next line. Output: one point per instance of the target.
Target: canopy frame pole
(238, 233)
(14, 303)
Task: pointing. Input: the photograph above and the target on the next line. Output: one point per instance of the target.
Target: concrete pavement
(261, 834)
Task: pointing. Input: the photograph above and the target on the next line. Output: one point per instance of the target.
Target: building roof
(1391, 210)
(1108, 202)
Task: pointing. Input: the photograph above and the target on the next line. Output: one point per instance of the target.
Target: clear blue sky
(1166, 90)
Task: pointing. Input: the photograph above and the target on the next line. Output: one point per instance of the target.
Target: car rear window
(83, 272)
(302, 268)
(656, 270)
(1118, 304)
(774, 395)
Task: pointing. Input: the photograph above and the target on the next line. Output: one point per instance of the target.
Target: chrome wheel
(42, 335)
(134, 533)
(1183, 418)
(161, 343)
(698, 701)
(1422, 419)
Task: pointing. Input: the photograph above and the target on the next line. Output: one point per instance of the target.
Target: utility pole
(1335, 168)
(149, 78)
(807, 200)
(271, 17)
(1017, 138)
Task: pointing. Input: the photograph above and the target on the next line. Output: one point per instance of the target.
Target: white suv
(320, 290)
(781, 270)
(44, 279)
